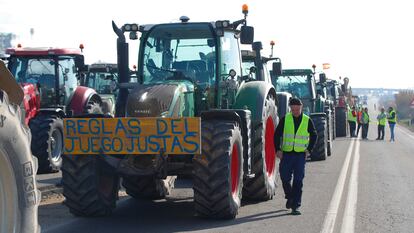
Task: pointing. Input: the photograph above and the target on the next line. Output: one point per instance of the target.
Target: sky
(369, 41)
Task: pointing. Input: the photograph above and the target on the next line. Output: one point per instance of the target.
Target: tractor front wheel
(47, 142)
(90, 185)
(218, 171)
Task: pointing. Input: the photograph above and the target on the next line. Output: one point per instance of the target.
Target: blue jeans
(392, 127)
(293, 163)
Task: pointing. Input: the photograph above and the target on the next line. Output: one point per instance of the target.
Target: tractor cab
(200, 59)
(103, 77)
(300, 83)
(55, 71)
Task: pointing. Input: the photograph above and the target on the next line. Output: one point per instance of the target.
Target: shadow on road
(174, 214)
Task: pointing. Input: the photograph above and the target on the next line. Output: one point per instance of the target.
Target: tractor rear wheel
(218, 171)
(47, 142)
(19, 197)
(263, 185)
(90, 185)
(320, 150)
(148, 187)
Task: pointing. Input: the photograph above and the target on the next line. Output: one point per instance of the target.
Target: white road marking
(330, 218)
(348, 220)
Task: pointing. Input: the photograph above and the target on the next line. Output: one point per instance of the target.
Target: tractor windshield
(36, 71)
(179, 52)
(297, 85)
(102, 82)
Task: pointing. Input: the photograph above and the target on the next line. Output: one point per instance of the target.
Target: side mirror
(247, 35)
(277, 68)
(80, 64)
(322, 78)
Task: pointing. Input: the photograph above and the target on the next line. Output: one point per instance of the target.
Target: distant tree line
(403, 104)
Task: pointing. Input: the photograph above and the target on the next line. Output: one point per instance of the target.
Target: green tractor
(322, 89)
(103, 77)
(341, 96)
(301, 83)
(185, 71)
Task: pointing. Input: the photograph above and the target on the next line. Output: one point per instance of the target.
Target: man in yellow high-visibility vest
(365, 124)
(382, 118)
(392, 120)
(352, 121)
(295, 137)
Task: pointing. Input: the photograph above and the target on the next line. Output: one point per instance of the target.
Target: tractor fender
(252, 96)
(80, 99)
(53, 111)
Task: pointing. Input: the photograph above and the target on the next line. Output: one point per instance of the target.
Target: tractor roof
(103, 67)
(42, 51)
(296, 72)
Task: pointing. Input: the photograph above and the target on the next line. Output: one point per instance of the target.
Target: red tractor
(49, 78)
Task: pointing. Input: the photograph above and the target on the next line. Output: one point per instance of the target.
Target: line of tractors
(185, 69)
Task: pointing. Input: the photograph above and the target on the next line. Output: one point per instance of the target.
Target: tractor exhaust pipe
(123, 70)
(257, 46)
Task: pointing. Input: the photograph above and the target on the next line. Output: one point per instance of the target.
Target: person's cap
(295, 101)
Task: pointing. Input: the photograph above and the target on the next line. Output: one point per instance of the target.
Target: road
(365, 186)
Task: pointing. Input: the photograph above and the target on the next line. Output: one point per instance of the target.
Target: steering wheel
(154, 70)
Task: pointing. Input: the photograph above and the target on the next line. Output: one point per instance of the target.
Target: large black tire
(90, 185)
(218, 171)
(341, 124)
(148, 187)
(47, 142)
(263, 185)
(320, 150)
(19, 197)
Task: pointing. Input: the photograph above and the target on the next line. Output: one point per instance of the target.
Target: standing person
(359, 120)
(382, 117)
(365, 124)
(352, 120)
(392, 120)
(295, 137)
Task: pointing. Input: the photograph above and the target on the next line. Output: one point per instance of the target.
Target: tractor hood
(160, 99)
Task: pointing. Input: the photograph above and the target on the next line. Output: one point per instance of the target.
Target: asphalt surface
(365, 186)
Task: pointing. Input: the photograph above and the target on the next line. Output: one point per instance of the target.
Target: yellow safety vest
(382, 120)
(365, 118)
(295, 142)
(351, 117)
(394, 119)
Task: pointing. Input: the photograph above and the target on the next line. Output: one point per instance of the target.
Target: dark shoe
(295, 211)
(289, 204)
(377, 139)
